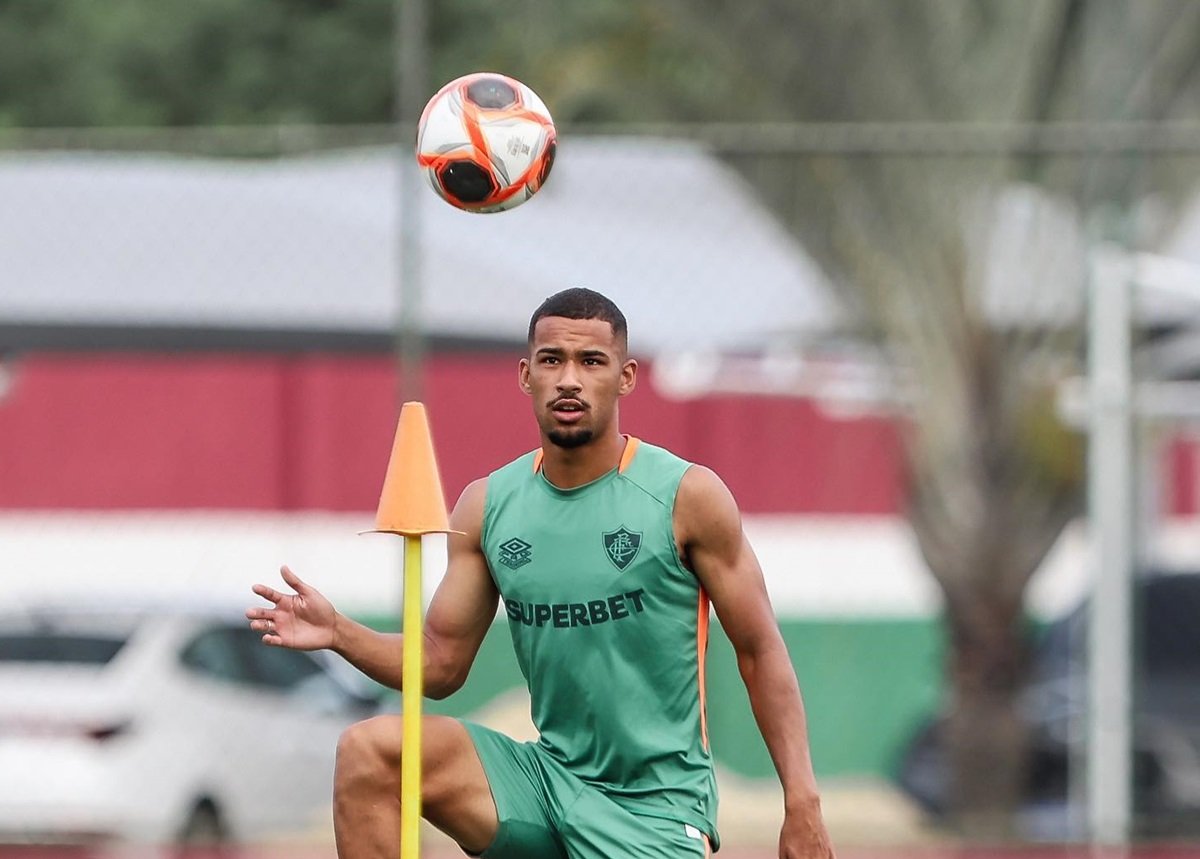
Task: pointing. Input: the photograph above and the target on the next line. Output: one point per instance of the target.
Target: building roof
(129, 243)
(152, 251)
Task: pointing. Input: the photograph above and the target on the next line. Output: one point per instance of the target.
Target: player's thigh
(455, 796)
(528, 796)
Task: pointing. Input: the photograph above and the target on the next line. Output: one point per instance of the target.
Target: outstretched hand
(302, 621)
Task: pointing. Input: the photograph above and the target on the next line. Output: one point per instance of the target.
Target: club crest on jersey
(515, 553)
(622, 546)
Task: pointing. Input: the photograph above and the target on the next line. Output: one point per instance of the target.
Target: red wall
(314, 432)
(1183, 463)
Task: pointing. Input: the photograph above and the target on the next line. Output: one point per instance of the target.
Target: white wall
(832, 566)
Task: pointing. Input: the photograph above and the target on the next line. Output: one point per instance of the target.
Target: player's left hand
(803, 835)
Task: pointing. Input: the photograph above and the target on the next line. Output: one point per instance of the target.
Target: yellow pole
(414, 685)
(410, 505)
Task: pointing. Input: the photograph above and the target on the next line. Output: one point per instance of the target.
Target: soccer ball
(485, 142)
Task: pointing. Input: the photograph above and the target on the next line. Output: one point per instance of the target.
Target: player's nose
(569, 379)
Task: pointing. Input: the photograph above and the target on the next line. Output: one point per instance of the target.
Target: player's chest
(573, 556)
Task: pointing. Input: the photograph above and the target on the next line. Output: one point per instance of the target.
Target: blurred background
(920, 280)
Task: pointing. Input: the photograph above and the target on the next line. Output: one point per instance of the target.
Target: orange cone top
(412, 502)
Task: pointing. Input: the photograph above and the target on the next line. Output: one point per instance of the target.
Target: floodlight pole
(411, 62)
(410, 68)
(1111, 490)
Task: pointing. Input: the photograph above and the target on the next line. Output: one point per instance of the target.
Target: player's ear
(523, 376)
(628, 377)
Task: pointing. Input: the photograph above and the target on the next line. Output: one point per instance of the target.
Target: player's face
(576, 371)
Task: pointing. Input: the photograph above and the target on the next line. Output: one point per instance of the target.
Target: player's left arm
(709, 530)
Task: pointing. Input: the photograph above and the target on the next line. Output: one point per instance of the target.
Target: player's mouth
(568, 411)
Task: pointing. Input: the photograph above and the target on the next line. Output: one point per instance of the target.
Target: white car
(167, 726)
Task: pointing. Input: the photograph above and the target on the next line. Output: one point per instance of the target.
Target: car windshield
(59, 647)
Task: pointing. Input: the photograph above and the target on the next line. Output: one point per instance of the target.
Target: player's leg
(455, 796)
(527, 801)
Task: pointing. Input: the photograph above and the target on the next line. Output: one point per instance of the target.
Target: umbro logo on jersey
(515, 553)
(622, 546)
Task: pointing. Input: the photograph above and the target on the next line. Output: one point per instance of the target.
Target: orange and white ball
(486, 142)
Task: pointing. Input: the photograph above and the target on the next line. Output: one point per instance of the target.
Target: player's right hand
(302, 621)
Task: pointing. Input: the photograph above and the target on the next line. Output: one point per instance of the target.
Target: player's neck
(567, 468)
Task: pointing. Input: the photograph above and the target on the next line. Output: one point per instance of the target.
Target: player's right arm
(458, 617)
(462, 610)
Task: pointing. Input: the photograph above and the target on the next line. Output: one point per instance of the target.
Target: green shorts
(547, 813)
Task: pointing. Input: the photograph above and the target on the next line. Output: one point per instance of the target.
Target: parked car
(165, 725)
(1166, 718)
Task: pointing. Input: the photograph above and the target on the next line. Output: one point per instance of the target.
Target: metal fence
(876, 334)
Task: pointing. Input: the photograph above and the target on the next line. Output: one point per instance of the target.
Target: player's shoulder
(523, 466)
(705, 497)
(655, 469)
(705, 510)
(653, 455)
(474, 492)
(467, 516)
(702, 481)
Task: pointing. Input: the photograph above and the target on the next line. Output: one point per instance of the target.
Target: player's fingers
(272, 640)
(293, 580)
(263, 625)
(268, 593)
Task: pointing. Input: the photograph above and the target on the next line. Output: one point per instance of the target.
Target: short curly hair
(581, 303)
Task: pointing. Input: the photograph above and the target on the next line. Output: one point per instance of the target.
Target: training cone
(412, 502)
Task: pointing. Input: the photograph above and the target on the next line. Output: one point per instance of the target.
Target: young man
(606, 553)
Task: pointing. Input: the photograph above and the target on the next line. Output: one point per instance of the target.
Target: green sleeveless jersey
(609, 628)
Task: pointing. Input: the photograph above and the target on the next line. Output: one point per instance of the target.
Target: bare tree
(914, 233)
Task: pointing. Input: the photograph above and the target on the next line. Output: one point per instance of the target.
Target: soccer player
(605, 554)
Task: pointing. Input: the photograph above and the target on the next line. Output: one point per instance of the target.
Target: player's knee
(368, 750)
